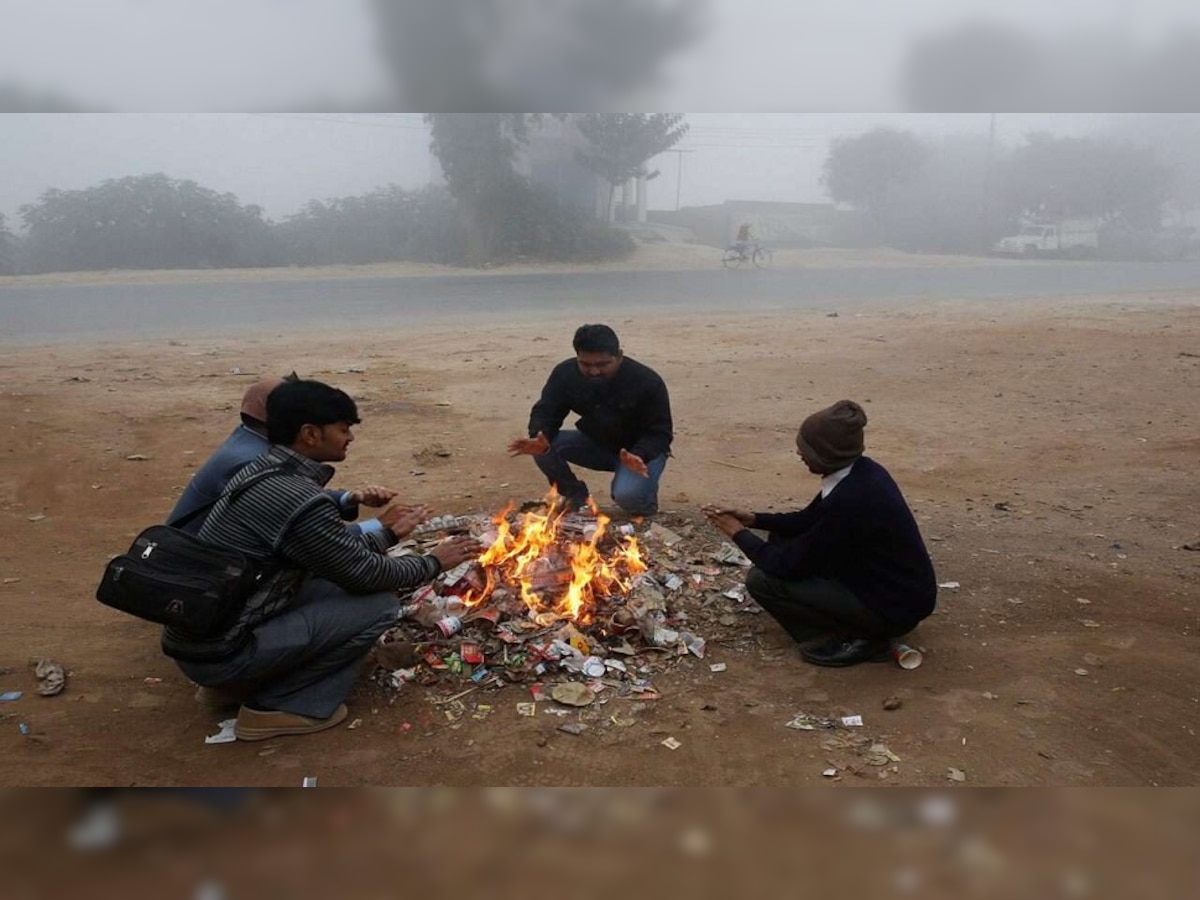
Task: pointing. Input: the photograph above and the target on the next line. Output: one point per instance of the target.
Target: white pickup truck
(1072, 238)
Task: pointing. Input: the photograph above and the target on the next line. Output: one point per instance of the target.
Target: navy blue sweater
(862, 535)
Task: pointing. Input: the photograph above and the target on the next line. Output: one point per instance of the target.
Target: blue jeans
(636, 495)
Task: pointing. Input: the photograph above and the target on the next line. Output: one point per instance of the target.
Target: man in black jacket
(624, 423)
(851, 566)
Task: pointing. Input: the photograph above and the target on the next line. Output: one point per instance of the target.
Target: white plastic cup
(906, 657)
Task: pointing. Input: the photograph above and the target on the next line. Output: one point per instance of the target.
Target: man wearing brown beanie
(851, 567)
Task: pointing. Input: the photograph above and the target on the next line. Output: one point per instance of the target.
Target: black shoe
(842, 652)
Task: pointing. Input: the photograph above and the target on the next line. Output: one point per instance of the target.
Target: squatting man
(849, 572)
(624, 424)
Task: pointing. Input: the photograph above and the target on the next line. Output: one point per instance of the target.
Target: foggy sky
(281, 161)
(752, 55)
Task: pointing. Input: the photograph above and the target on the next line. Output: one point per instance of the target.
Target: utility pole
(678, 173)
(987, 181)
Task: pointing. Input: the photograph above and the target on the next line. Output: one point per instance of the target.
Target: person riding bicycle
(742, 244)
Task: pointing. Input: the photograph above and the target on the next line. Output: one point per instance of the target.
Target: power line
(360, 123)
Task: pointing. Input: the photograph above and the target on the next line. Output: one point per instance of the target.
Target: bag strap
(231, 494)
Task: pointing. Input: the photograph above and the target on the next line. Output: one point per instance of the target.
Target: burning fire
(558, 574)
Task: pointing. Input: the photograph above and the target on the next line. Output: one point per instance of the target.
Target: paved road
(116, 312)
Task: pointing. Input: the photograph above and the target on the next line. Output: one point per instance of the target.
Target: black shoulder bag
(173, 578)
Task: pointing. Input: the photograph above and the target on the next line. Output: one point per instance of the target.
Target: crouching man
(851, 567)
(293, 653)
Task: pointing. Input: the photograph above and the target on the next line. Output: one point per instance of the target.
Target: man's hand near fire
(534, 446)
(400, 520)
(373, 495)
(730, 521)
(634, 463)
(455, 550)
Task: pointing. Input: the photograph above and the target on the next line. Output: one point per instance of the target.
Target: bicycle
(757, 254)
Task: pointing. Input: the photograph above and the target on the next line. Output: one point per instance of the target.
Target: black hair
(295, 404)
(596, 339)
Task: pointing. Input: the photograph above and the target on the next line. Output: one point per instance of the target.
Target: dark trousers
(306, 659)
(816, 607)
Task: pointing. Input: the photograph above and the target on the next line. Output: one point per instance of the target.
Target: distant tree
(870, 171)
(477, 152)
(1087, 176)
(7, 248)
(621, 144)
(385, 225)
(144, 222)
(494, 55)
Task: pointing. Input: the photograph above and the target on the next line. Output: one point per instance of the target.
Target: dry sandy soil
(1048, 449)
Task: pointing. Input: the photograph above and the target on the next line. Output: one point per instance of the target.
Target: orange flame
(536, 556)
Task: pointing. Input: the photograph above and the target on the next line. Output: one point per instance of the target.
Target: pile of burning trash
(559, 596)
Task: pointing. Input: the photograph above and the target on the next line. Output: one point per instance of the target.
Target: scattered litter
(1082, 601)
(1089, 623)
(892, 703)
(671, 744)
(988, 695)
(10, 696)
(23, 728)
(663, 535)
(907, 657)
(803, 721)
(526, 709)
(572, 693)
(852, 721)
(51, 675)
(830, 773)
(575, 728)
(1081, 671)
(956, 774)
(225, 735)
(151, 681)
(137, 457)
(10, 581)
(718, 667)
(36, 518)
(309, 781)
(357, 723)
(731, 555)
(949, 585)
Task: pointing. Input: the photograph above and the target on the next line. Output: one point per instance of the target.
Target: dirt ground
(1048, 449)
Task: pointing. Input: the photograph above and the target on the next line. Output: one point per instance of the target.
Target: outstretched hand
(729, 521)
(373, 495)
(455, 550)
(534, 446)
(401, 520)
(634, 463)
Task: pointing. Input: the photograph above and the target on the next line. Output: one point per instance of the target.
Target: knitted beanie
(254, 402)
(832, 438)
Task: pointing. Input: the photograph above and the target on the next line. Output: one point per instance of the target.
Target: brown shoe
(262, 724)
(218, 700)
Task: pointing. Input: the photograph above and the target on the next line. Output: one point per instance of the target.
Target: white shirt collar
(829, 482)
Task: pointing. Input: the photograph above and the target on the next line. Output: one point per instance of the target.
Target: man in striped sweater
(294, 651)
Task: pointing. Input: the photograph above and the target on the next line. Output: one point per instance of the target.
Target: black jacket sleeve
(552, 407)
(657, 426)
